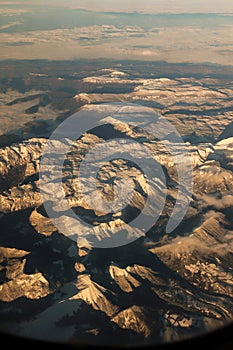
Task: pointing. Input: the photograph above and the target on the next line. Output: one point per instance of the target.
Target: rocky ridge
(156, 289)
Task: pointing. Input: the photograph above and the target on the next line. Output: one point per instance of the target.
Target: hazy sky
(159, 5)
(55, 29)
(155, 6)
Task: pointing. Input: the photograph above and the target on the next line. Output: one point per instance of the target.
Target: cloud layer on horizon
(174, 44)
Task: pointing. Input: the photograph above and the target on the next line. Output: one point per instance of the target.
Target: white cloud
(9, 25)
(11, 12)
